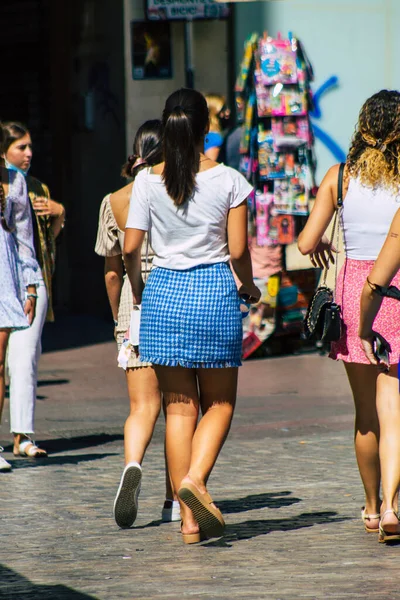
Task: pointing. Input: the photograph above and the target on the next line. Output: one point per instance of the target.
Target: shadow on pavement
(51, 461)
(46, 382)
(252, 502)
(75, 331)
(257, 501)
(251, 529)
(156, 523)
(80, 442)
(14, 586)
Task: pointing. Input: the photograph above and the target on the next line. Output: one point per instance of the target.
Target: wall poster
(151, 50)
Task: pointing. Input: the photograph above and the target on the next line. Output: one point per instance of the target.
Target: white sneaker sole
(170, 515)
(126, 501)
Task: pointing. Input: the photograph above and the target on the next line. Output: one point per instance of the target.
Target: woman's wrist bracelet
(32, 296)
(115, 323)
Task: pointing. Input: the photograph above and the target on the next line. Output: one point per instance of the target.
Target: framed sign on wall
(183, 10)
(151, 50)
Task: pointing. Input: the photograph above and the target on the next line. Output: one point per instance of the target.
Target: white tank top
(366, 218)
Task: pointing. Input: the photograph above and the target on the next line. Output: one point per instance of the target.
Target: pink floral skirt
(350, 283)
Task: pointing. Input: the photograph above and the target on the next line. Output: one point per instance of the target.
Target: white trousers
(24, 350)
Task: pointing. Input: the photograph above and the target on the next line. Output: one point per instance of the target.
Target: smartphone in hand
(381, 353)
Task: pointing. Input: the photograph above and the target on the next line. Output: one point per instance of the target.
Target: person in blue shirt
(219, 115)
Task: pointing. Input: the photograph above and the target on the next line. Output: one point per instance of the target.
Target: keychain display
(273, 101)
(273, 88)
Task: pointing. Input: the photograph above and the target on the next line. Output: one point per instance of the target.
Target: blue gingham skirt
(191, 318)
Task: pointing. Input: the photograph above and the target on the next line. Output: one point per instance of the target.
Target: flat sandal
(366, 517)
(388, 536)
(29, 449)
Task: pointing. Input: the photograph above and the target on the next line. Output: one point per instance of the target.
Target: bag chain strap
(338, 213)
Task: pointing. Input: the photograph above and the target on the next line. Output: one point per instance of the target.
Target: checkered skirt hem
(191, 318)
(191, 365)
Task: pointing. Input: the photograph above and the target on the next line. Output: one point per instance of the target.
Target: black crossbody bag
(323, 321)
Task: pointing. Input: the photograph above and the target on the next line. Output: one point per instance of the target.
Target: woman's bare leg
(218, 389)
(170, 494)
(388, 406)
(145, 404)
(4, 335)
(363, 380)
(179, 388)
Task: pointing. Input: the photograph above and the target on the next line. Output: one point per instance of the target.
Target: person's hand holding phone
(250, 295)
(376, 349)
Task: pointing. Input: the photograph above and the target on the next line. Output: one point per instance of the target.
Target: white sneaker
(126, 501)
(171, 511)
(4, 465)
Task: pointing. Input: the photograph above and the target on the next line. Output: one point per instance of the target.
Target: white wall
(145, 99)
(353, 39)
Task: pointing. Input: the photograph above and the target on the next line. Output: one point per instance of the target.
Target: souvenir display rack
(273, 99)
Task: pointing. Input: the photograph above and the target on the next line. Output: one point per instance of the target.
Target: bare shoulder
(331, 176)
(120, 195)
(119, 202)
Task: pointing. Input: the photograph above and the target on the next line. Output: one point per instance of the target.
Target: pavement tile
(286, 482)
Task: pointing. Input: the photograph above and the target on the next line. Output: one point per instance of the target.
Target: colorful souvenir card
(271, 163)
(282, 199)
(291, 194)
(266, 233)
(280, 102)
(278, 60)
(299, 194)
(248, 122)
(291, 132)
(286, 229)
(249, 46)
(290, 164)
(240, 103)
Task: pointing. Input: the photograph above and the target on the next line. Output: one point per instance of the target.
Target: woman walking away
(143, 390)
(219, 115)
(371, 198)
(375, 347)
(25, 346)
(191, 328)
(19, 271)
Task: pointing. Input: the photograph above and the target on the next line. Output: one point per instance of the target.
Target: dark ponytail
(3, 206)
(3, 221)
(147, 149)
(185, 120)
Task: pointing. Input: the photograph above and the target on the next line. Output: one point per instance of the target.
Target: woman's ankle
(189, 523)
(196, 480)
(389, 506)
(373, 507)
(20, 437)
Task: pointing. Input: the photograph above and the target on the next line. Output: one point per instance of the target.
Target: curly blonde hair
(374, 154)
(215, 104)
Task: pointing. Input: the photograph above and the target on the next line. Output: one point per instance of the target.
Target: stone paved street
(286, 482)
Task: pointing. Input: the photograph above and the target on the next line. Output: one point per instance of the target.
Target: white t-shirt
(194, 234)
